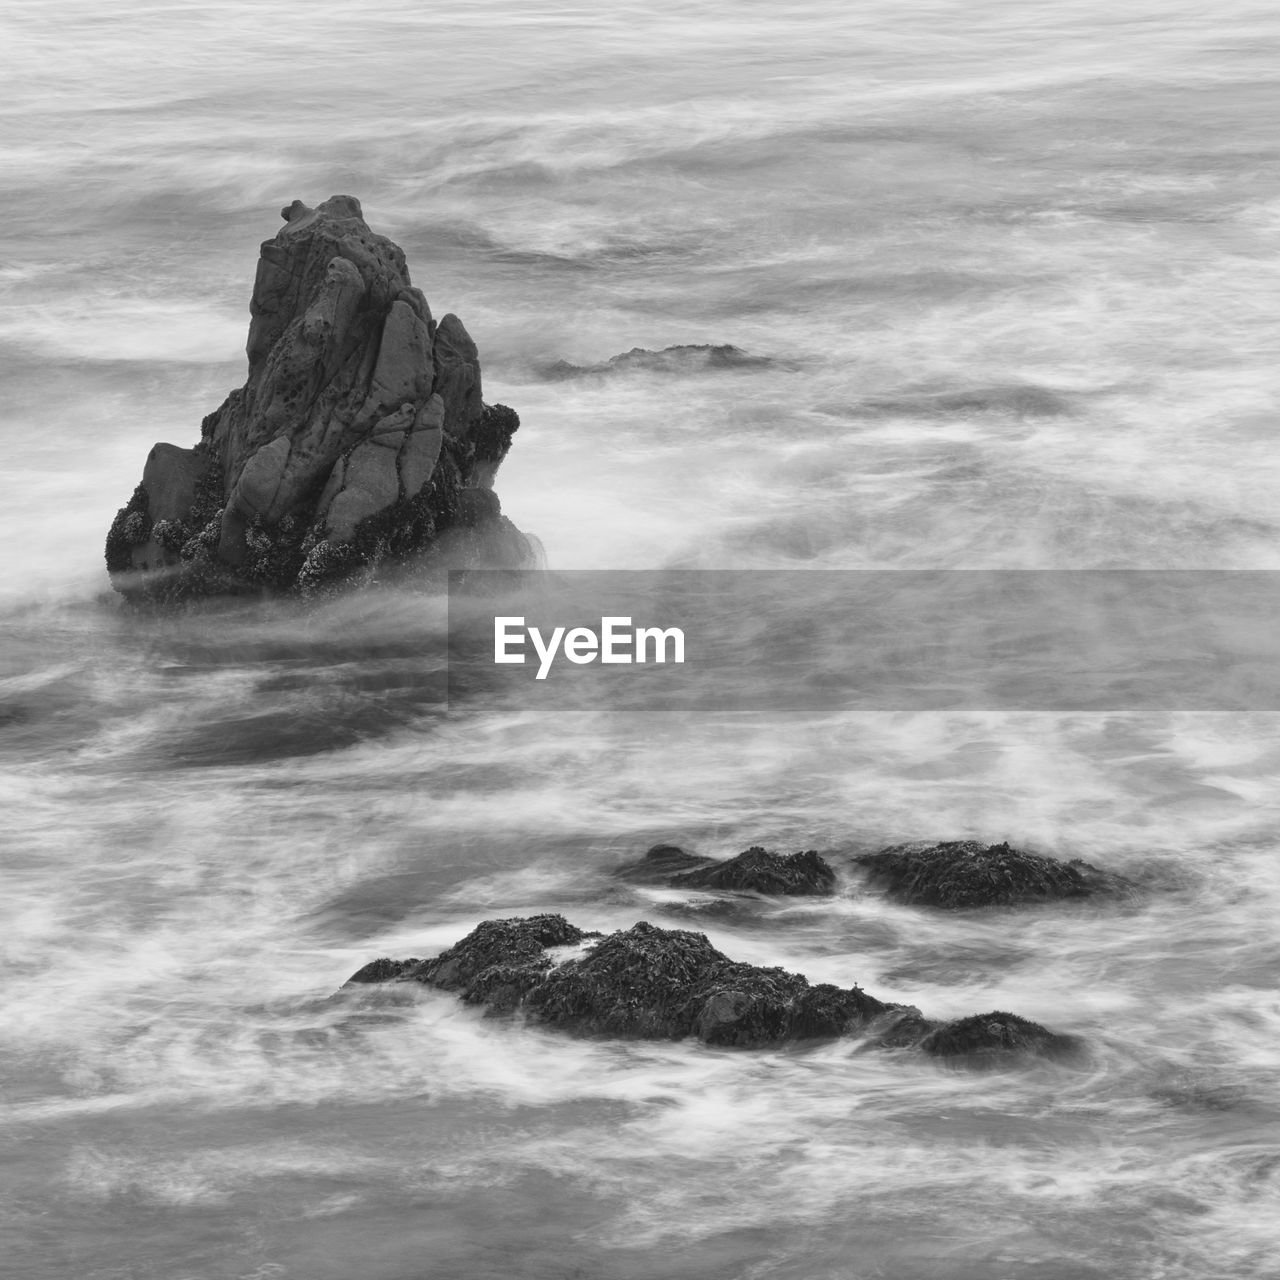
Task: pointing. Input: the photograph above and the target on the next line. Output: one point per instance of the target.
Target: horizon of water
(1015, 268)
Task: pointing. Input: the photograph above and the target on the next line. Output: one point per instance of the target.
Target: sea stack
(359, 437)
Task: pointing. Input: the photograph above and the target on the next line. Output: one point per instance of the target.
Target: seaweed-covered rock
(644, 982)
(383, 970)
(359, 435)
(497, 944)
(993, 1038)
(651, 983)
(966, 873)
(638, 983)
(755, 870)
(666, 984)
(497, 964)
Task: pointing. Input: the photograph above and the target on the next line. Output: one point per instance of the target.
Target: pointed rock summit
(359, 435)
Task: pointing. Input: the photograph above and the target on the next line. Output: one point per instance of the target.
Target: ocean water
(1013, 271)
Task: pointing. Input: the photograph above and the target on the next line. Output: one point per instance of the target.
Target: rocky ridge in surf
(360, 435)
(648, 983)
(953, 874)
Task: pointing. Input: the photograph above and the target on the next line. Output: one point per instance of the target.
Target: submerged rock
(966, 873)
(667, 984)
(359, 435)
(660, 863)
(755, 870)
(1016, 400)
(694, 358)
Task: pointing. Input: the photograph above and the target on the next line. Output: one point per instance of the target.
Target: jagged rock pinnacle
(360, 432)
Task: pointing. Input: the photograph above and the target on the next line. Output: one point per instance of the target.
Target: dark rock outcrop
(500, 962)
(966, 873)
(360, 434)
(666, 984)
(992, 1038)
(755, 870)
(497, 964)
(383, 970)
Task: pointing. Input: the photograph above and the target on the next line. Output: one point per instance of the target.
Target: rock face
(360, 433)
(755, 870)
(666, 984)
(965, 873)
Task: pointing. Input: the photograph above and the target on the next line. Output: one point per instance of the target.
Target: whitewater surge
(1011, 275)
